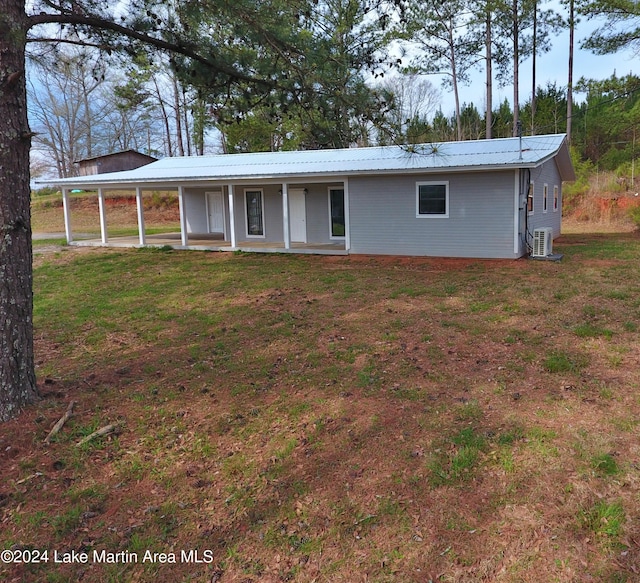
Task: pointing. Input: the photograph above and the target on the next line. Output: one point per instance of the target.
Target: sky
(551, 67)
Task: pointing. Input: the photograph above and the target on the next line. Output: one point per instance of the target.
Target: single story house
(483, 199)
(114, 162)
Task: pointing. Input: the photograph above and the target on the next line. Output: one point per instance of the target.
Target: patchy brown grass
(333, 418)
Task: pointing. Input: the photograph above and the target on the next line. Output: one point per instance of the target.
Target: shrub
(45, 191)
(634, 213)
(573, 191)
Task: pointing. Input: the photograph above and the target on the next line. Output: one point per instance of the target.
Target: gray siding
(197, 212)
(546, 174)
(318, 228)
(480, 222)
(383, 213)
(272, 213)
(316, 209)
(196, 207)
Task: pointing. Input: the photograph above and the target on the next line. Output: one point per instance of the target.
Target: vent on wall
(542, 242)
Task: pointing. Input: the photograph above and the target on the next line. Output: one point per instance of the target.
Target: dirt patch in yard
(333, 418)
(418, 263)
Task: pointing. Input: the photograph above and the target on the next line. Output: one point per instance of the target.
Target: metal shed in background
(114, 162)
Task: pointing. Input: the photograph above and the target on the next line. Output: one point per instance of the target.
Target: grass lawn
(303, 418)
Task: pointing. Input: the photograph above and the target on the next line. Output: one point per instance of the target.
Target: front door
(216, 212)
(298, 216)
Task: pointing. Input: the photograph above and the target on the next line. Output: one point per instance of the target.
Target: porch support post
(141, 233)
(66, 208)
(103, 217)
(285, 216)
(232, 217)
(183, 217)
(347, 217)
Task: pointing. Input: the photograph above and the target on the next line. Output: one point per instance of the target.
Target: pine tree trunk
(185, 116)
(17, 372)
(533, 69)
(489, 59)
(178, 116)
(516, 64)
(570, 80)
(454, 78)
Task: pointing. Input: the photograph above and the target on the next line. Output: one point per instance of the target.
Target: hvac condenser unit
(542, 242)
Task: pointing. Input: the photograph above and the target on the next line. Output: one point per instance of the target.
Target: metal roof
(473, 155)
(119, 153)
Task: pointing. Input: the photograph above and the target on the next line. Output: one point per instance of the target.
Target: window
(336, 213)
(255, 214)
(545, 195)
(530, 199)
(556, 196)
(432, 199)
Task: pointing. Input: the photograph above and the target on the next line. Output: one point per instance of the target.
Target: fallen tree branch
(106, 430)
(36, 475)
(58, 426)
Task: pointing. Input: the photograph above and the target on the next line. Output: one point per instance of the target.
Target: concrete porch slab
(214, 242)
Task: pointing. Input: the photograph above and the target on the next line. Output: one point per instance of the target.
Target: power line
(595, 107)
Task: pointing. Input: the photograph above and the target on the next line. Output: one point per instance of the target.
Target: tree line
(604, 118)
(78, 116)
(358, 74)
(268, 74)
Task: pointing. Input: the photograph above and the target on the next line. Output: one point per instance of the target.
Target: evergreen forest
(334, 74)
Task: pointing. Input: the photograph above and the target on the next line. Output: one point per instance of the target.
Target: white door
(298, 216)
(216, 212)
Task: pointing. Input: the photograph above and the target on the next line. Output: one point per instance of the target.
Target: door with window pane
(336, 213)
(255, 214)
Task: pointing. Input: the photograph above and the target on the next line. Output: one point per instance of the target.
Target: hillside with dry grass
(161, 212)
(605, 201)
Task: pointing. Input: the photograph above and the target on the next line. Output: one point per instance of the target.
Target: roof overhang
(190, 182)
(565, 165)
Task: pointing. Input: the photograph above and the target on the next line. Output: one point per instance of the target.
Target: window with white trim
(545, 196)
(530, 199)
(255, 213)
(556, 198)
(432, 199)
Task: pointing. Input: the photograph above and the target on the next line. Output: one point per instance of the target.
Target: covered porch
(261, 216)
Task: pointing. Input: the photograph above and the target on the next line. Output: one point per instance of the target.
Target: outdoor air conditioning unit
(542, 242)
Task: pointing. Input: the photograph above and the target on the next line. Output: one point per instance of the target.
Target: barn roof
(116, 154)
